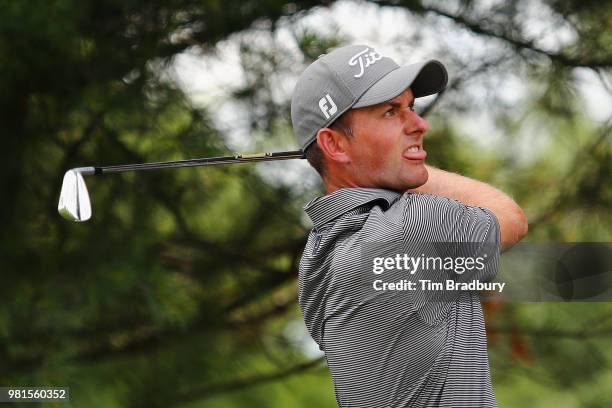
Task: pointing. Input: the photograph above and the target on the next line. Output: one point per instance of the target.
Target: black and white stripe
(394, 349)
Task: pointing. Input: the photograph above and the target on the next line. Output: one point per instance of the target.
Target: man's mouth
(415, 152)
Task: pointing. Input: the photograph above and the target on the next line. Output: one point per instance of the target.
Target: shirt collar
(323, 209)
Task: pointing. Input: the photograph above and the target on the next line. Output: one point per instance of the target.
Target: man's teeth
(413, 149)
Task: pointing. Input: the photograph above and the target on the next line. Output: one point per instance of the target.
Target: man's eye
(390, 112)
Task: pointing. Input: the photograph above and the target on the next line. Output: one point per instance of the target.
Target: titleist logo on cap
(369, 57)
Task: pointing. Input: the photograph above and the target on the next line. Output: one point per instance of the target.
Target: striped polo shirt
(395, 348)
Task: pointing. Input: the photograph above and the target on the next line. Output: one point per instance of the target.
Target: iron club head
(74, 204)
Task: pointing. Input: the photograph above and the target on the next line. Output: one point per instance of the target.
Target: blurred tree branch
(460, 79)
(520, 43)
(517, 43)
(568, 188)
(206, 391)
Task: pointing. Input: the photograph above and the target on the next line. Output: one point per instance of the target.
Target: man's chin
(408, 185)
(417, 178)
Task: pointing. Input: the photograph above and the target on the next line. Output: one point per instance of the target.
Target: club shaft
(204, 161)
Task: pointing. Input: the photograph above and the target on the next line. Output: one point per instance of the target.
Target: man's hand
(512, 222)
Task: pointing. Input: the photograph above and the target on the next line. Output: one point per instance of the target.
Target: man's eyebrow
(395, 104)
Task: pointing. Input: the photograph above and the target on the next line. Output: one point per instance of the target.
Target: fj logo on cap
(364, 59)
(328, 110)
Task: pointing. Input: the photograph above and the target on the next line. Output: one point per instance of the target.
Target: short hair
(314, 155)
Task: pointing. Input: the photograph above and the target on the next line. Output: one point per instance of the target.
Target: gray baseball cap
(355, 76)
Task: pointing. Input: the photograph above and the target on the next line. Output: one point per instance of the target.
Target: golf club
(74, 203)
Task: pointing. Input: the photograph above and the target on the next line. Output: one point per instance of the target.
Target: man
(352, 110)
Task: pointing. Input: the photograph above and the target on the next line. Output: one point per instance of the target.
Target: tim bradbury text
(426, 284)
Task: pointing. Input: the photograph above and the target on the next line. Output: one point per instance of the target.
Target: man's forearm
(513, 224)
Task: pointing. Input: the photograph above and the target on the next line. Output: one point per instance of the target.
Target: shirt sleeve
(461, 241)
(444, 219)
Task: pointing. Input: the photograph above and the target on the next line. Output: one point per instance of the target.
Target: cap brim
(424, 78)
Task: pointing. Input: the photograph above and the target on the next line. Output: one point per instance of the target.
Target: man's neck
(334, 185)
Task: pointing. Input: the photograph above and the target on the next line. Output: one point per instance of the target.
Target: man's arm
(512, 222)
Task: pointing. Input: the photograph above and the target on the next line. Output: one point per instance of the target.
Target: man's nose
(414, 123)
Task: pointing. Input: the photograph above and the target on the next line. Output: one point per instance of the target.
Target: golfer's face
(387, 150)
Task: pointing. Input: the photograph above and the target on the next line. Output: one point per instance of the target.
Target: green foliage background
(181, 291)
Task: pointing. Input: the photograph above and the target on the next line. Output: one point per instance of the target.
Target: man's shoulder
(436, 205)
(330, 207)
(425, 198)
(386, 211)
(425, 205)
(447, 219)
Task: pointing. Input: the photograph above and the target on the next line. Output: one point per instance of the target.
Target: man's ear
(333, 144)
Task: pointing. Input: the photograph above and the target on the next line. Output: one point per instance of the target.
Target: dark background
(181, 290)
